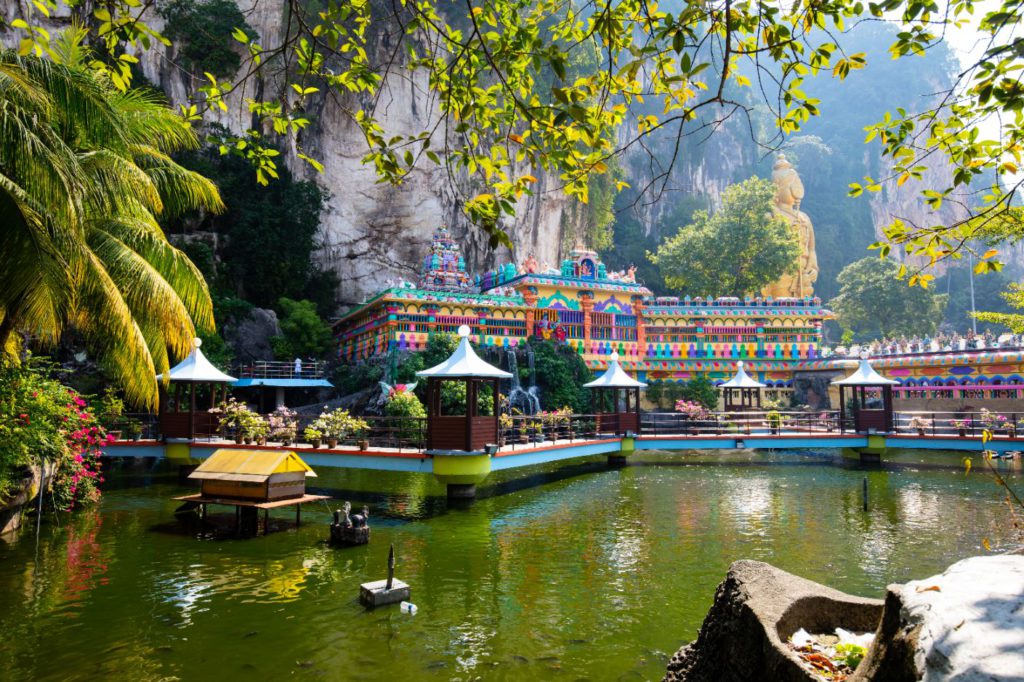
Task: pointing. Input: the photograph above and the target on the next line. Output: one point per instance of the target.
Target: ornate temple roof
(444, 268)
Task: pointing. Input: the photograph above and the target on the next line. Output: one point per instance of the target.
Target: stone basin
(757, 608)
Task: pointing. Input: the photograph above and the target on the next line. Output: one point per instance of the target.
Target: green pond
(566, 572)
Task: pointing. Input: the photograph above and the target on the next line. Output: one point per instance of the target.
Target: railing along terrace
(275, 369)
(146, 424)
(963, 424)
(519, 430)
(755, 422)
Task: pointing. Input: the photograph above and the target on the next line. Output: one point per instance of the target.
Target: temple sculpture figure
(789, 191)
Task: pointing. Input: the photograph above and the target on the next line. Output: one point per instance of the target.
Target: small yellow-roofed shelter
(257, 475)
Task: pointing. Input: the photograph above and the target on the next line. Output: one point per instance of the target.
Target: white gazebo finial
(464, 331)
(197, 342)
(741, 379)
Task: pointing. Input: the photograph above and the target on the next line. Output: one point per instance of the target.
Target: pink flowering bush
(692, 409)
(41, 419)
(283, 424)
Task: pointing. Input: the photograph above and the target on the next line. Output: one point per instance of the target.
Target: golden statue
(789, 191)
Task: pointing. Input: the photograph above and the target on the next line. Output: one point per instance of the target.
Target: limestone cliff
(373, 232)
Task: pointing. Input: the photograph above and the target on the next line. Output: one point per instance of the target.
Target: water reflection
(592, 573)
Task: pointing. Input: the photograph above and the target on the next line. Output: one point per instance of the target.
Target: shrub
(410, 412)
(283, 424)
(693, 410)
(41, 419)
(700, 390)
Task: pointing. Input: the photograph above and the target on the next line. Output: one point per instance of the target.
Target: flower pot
(262, 440)
(332, 442)
(920, 432)
(247, 440)
(115, 434)
(285, 442)
(315, 443)
(137, 437)
(962, 433)
(363, 444)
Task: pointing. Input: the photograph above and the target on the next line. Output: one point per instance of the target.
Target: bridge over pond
(462, 471)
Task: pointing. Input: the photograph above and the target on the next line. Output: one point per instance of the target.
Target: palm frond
(112, 334)
(142, 234)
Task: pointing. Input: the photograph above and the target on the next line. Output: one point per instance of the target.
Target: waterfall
(524, 400)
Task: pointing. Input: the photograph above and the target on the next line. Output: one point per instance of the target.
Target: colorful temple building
(936, 380)
(593, 311)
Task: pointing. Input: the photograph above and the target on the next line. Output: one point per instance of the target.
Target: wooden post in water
(391, 568)
(865, 493)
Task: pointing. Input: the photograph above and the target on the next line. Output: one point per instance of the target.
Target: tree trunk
(6, 329)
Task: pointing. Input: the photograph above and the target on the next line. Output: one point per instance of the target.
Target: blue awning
(284, 383)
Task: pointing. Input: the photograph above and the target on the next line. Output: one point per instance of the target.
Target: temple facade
(595, 312)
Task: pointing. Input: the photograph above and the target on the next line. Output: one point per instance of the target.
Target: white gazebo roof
(865, 376)
(615, 377)
(741, 379)
(197, 368)
(464, 363)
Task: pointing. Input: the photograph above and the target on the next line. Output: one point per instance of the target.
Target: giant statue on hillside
(789, 192)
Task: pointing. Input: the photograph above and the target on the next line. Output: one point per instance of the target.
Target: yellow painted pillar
(461, 473)
(179, 453)
(626, 448)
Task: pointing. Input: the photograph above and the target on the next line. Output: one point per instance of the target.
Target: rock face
(965, 624)
(757, 608)
(250, 336)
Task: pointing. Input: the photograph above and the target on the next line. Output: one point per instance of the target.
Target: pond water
(568, 572)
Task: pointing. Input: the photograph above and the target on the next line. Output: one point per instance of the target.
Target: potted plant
(360, 428)
(993, 422)
(774, 419)
(251, 427)
(960, 425)
(132, 429)
(260, 429)
(283, 425)
(920, 424)
(313, 435)
(232, 415)
(335, 425)
(549, 423)
(694, 412)
(1011, 429)
(111, 409)
(563, 421)
(504, 427)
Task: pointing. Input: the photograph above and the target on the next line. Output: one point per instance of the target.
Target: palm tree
(84, 172)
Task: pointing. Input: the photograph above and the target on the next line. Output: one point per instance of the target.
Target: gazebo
(864, 385)
(179, 417)
(741, 392)
(469, 432)
(612, 382)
